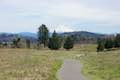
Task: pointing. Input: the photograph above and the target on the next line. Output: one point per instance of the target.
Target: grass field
(28, 64)
(25, 64)
(102, 65)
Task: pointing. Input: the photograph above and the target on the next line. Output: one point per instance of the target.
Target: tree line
(53, 42)
(17, 42)
(108, 43)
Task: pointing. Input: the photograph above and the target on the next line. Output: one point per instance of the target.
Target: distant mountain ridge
(28, 34)
(84, 33)
(80, 35)
(24, 35)
(84, 36)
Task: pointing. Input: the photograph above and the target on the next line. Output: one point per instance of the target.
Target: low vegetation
(28, 64)
(54, 41)
(69, 43)
(108, 43)
(23, 64)
(101, 65)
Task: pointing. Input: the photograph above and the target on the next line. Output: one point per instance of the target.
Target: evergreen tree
(54, 41)
(43, 35)
(109, 44)
(100, 46)
(117, 41)
(28, 43)
(69, 43)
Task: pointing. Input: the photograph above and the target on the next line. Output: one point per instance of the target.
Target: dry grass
(25, 64)
(28, 64)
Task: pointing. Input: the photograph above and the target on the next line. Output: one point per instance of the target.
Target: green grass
(28, 64)
(55, 67)
(103, 65)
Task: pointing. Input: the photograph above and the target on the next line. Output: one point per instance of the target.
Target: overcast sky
(101, 16)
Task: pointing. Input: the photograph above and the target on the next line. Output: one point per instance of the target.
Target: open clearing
(28, 64)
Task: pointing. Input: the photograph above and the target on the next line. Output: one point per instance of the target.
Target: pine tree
(54, 41)
(69, 43)
(100, 46)
(109, 44)
(43, 35)
(117, 41)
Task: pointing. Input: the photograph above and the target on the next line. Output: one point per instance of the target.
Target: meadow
(43, 64)
(102, 66)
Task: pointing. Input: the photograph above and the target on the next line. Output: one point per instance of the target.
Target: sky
(100, 16)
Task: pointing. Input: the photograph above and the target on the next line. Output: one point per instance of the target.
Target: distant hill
(24, 35)
(28, 34)
(6, 36)
(84, 36)
(80, 36)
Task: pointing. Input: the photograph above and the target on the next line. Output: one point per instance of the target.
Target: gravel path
(70, 70)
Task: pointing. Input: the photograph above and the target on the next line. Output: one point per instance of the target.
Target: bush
(109, 44)
(69, 43)
(117, 41)
(101, 45)
(54, 41)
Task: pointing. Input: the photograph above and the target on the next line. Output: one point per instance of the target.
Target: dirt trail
(70, 70)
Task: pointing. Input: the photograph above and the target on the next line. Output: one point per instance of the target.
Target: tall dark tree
(69, 43)
(101, 45)
(54, 41)
(109, 44)
(28, 45)
(117, 41)
(43, 35)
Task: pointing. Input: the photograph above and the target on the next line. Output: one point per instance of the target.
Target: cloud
(80, 11)
(64, 28)
(29, 14)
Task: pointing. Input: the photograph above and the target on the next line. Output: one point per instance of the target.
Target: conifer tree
(100, 46)
(54, 41)
(69, 43)
(43, 35)
(109, 44)
(117, 41)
